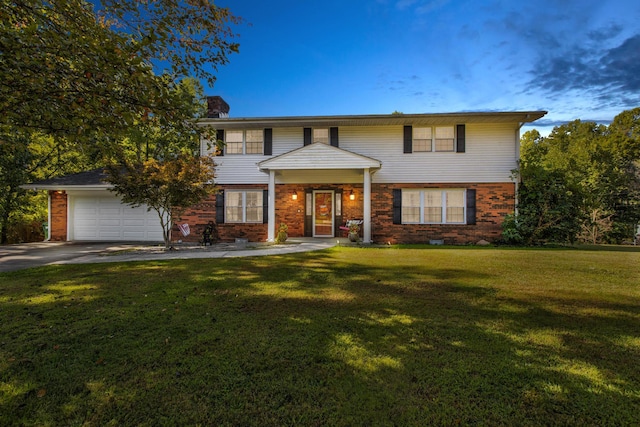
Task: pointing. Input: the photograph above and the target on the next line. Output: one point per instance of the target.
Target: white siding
(490, 156)
(243, 169)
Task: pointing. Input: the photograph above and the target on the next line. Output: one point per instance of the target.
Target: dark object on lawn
(210, 234)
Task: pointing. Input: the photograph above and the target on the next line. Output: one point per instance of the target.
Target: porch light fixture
(352, 196)
(294, 196)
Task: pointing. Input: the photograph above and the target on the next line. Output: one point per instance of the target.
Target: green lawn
(341, 337)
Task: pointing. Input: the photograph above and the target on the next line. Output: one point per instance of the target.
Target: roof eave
(65, 187)
(368, 120)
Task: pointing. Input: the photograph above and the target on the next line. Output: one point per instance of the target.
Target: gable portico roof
(516, 117)
(319, 156)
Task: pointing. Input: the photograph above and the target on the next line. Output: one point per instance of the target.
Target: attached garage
(105, 218)
(81, 208)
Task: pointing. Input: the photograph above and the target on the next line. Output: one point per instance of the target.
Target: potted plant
(282, 235)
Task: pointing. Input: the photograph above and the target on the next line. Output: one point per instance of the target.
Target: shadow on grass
(343, 337)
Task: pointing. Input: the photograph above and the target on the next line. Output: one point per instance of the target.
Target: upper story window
(321, 136)
(244, 141)
(437, 138)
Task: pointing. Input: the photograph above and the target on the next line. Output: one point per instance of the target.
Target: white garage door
(104, 218)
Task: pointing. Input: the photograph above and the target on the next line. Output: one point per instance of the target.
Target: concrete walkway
(22, 256)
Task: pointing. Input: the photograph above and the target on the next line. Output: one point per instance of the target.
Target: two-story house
(409, 178)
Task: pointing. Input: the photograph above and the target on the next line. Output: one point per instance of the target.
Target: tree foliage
(168, 186)
(579, 183)
(74, 68)
(102, 82)
(157, 163)
(24, 157)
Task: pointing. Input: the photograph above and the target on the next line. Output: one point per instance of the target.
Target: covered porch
(318, 187)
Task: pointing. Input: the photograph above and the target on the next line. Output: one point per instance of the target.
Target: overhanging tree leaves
(69, 67)
(157, 163)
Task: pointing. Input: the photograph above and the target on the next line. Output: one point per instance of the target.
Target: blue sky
(573, 58)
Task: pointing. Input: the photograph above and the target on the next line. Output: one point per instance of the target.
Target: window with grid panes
(433, 206)
(254, 141)
(243, 206)
(234, 140)
(244, 141)
(444, 138)
(421, 139)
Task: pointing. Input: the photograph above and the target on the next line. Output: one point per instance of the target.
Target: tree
(168, 187)
(25, 156)
(70, 68)
(90, 74)
(580, 182)
(157, 163)
(548, 204)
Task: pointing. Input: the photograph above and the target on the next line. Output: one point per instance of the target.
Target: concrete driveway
(28, 255)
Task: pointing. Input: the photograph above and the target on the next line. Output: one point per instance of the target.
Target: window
(433, 206)
(444, 138)
(321, 136)
(244, 142)
(254, 140)
(421, 139)
(233, 141)
(438, 138)
(410, 207)
(243, 206)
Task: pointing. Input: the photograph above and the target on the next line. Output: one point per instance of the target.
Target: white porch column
(271, 230)
(366, 238)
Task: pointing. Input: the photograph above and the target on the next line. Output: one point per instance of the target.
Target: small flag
(184, 229)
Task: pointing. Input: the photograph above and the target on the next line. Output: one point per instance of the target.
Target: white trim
(271, 222)
(366, 231)
(443, 205)
(318, 157)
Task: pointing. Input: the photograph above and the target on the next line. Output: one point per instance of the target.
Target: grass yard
(344, 337)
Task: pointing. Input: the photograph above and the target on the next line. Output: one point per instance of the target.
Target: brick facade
(198, 217)
(493, 202)
(58, 226)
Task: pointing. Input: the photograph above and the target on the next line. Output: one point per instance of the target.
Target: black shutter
(408, 139)
(397, 206)
(460, 139)
(265, 206)
(333, 136)
(268, 142)
(471, 206)
(220, 207)
(220, 142)
(307, 136)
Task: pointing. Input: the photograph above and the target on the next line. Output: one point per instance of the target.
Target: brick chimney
(217, 107)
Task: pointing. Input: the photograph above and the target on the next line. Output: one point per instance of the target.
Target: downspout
(517, 186)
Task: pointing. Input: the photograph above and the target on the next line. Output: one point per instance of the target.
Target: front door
(323, 213)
